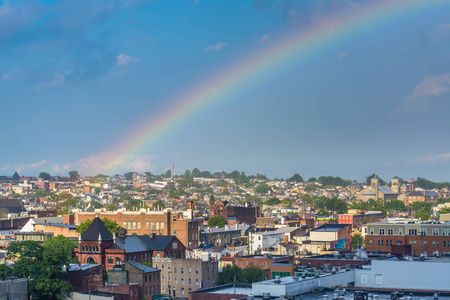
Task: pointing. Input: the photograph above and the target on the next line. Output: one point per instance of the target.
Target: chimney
(425, 193)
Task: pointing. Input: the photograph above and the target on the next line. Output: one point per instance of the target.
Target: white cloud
(6, 76)
(4, 168)
(57, 79)
(140, 164)
(123, 59)
(216, 47)
(263, 39)
(441, 32)
(431, 159)
(432, 86)
(33, 166)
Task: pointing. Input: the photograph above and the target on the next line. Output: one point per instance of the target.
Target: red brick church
(98, 246)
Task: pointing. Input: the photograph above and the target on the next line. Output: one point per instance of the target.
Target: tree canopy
(249, 274)
(73, 175)
(218, 221)
(296, 178)
(45, 176)
(112, 226)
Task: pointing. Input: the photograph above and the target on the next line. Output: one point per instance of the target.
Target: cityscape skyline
(300, 87)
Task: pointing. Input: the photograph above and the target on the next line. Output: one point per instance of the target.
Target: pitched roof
(12, 204)
(140, 243)
(95, 229)
(142, 267)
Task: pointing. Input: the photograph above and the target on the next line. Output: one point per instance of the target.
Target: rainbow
(298, 47)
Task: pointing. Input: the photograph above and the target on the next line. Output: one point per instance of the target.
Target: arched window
(90, 248)
(90, 260)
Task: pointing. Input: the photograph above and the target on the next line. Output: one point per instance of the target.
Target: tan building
(376, 191)
(166, 222)
(180, 276)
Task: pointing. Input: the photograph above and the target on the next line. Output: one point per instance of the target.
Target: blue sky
(78, 77)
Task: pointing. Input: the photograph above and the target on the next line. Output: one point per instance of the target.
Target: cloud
(140, 164)
(4, 168)
(33, 166)
(441, 32)
(263, 39)
(431, 159)
(216, 47)
(432, 86)
(123, 59)
(6, 76)
(57, 79)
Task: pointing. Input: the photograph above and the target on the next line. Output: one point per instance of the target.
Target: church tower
(395, 185)
(375, 182)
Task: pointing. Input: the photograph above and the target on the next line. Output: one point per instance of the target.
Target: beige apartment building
(180, 276)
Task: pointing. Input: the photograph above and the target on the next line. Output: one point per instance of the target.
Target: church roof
(95, 229)
(395, 177)
(141, 243)
(376, 177)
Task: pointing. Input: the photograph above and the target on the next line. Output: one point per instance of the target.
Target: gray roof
(95, 229)
(142, 267)
(141, 243)
(386, 190)
(428, 193)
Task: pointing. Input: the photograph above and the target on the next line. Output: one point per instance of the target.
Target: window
(162, 266)
(182, 270)
(190, 281)
(182, 280)
(175, 280)
(414, 243)
(370, 242)
(168, 277)
(446, 232)
(424, 243)
(196, 281)
(400, 231)
(174, 218)
(118, 259)
(147, 225)
(437, 243)
(182, 291)
(378, 242)
(435, 231)
(371, 230)
(129, 225)
(110, 260)
(124, 224)
(146, 291)
(423, 231)
(381, 231)
(382, 242)
(174, 232)
(196, 270)
(412, 231)
(162, 276)
(174, 245)
(139, 225)
(162, 288)
(153, 225)
(168, 266)
(390, 231)
(175, 270)
(162, 225)
(146, 278)
(134, 225)
(189, 270)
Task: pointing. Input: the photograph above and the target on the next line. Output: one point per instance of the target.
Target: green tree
(252, 274)
(5, 271)
(112, 226)
(272, 201)
(45, 176)
(168, 174)
(64, 244)
(95, 204)
(218, 221)
(395, 205)
(111, 207)
(296, 178)
(158, 205)
(357, 241)
(97, 190)
(369, 179)
(73, 175)
(230, 274)
(262, 188)
(312, 179)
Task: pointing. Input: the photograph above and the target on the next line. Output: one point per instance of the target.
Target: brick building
(98, 245)
(130, 289)
(421, 196)
(357, 220)
(424, 237)
(265, 262)
(147, 277)
(180, 276)
(183, 226)
(243, 214)
(84, 277)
